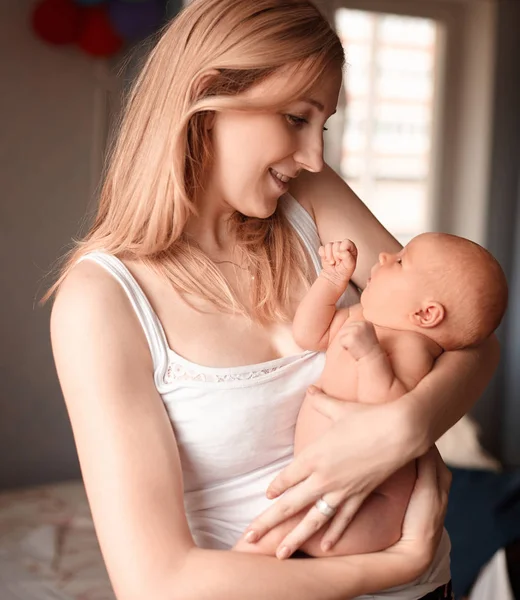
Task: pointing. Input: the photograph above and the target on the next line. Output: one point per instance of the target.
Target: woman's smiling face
(256, 154)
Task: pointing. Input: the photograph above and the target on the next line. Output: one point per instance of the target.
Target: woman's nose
(310, 156)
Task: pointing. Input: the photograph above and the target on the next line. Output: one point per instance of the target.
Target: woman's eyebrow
(316, 104)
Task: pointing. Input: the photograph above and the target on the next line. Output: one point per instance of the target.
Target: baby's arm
(315, 317)
(377, 381)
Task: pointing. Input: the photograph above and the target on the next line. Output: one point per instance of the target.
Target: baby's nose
(383, 257)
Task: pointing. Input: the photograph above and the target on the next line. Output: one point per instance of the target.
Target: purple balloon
(135, 20)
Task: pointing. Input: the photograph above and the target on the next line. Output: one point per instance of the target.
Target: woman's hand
(363, 447)
(424, 519)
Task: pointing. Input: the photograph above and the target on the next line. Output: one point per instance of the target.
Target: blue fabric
(483, 516)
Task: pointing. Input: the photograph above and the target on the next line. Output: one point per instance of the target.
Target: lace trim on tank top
(176, 371)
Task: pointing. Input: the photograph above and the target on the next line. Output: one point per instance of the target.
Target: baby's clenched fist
(338, 260)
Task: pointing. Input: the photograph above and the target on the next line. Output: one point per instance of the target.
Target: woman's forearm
(220, 575)
(447, 393)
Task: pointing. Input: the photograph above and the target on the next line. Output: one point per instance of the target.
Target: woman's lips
(283, 187)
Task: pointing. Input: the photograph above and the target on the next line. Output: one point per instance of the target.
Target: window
(390, 85)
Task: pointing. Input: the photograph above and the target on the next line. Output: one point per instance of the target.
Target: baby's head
(440, 285)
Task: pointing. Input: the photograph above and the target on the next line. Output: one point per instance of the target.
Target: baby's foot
(338, 260)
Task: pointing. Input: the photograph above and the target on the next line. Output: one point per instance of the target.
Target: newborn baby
(440, 292)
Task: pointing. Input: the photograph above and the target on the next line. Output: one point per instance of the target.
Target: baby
(440, 292)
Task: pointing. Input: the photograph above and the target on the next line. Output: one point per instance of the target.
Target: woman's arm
(132, 473)
(339, 214)
(446, 394)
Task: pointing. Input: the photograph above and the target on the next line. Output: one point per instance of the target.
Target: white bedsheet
(48, 546)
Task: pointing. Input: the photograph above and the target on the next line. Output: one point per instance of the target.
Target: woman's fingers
(341, 520)
(433, 469)
(312, 522)
(424, 519)
(444, 475)
(427, 467)
(291, 503)
(297, 471)
(306, 528)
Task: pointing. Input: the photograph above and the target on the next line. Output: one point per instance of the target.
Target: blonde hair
(209, 54)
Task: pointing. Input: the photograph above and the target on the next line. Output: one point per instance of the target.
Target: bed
(48, 546)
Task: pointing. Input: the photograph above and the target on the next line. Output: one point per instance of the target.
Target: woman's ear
(429, 315)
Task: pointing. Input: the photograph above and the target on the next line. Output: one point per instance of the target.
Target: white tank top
(234, 426)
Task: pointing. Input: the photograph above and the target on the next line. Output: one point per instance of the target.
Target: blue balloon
(136, 20)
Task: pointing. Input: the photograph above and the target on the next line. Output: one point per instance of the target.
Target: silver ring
(325, 508)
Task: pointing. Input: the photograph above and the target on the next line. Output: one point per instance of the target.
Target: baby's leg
(377, 525)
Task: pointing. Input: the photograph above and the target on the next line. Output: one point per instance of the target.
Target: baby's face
(400, 282)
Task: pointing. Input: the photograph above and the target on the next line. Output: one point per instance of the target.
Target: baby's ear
(429, 315)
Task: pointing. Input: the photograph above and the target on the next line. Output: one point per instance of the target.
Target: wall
(499, 410)
(54, 106)
(53, 112)
(465, 104)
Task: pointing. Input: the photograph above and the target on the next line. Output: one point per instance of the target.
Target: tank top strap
(304, 225)
(149, 320)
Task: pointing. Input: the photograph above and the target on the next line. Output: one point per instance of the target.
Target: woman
(184, 415)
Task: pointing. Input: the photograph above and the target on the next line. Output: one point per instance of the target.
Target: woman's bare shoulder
(90, 304)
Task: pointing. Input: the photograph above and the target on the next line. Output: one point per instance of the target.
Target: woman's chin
(260, 212)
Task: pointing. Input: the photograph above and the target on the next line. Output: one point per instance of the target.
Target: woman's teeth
(282, 178)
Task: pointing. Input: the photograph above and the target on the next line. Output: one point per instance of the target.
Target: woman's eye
(296, 121)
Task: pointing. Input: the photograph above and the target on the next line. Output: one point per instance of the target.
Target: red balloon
(57, 21)
(97, 36)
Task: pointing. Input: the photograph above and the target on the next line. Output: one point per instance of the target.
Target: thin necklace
(219, 262)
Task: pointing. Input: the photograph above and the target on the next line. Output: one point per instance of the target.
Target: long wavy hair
(203, 60)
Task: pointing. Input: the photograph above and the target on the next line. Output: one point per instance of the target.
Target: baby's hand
(359, 338)
(338, 260)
